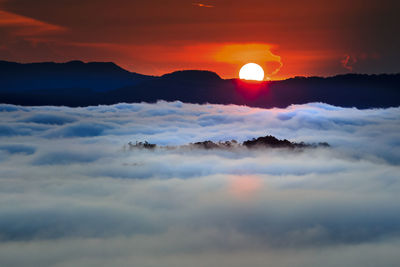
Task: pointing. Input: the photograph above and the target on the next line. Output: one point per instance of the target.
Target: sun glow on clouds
(240, 54)
(223, 58)
(71, 195)
(245, 187)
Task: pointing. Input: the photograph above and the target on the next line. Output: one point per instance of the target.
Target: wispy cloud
(25, 26)
(348, 62)
(202, 5)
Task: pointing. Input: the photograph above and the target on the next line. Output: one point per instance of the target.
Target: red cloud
(348, 62)
(25, 26)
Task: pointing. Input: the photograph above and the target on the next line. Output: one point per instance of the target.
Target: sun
(251, 71)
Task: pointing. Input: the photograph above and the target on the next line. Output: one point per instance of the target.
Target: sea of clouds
(72, 194)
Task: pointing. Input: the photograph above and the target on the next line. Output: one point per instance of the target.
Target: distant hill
(81, 84)
(96, 76)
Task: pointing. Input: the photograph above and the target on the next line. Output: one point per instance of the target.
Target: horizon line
(204, 70)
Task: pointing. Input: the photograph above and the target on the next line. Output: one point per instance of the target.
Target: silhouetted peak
(74, 62)
(74, 65)
(269, 141)
(203, 75)
(98, 76)
(92, 66)
(107, 65)
(263, 142)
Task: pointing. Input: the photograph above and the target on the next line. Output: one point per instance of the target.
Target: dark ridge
(264, 142)
(189, 75)
(141, 145)
(211, 145)
(18, 78)
(77, 83)
(271, 141)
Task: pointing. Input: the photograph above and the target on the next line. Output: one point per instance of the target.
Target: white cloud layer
(70, 195)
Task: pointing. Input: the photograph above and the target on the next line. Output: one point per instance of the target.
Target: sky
(73, 194)
(287, 38)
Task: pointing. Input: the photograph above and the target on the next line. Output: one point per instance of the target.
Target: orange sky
(287, 38)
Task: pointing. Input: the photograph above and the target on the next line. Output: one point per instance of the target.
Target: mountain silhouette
(97, 76)
(81, 84)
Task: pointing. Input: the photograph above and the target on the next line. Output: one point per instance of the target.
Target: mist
(71, 194)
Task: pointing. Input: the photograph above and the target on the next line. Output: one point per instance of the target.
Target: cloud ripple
(71, 194)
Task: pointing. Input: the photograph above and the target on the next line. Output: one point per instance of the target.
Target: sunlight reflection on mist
(71, 195)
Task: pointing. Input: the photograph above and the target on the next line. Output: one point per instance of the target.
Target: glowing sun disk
(251, 71)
